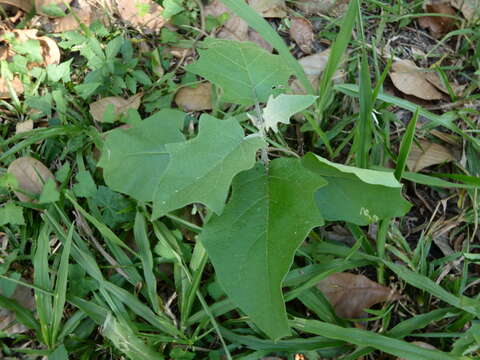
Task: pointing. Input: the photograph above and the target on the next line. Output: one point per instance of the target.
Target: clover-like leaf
(283, 107)
(246, 72)
(253, 242)
(134, 159)
(201, 170)
(359, 196)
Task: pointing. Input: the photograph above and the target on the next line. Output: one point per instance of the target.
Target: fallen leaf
(120, 106)
(350, 294)
(235, 28)
(24, 126)
(438, 25)
(16, 85)
(269, 8)
(427, 155)
(69, 22)
(412, 80)
(25, 5)
(31, 175)
(422, 345)
(195, 99)
(49, 48)
(301, 31)
(313, 65)
(322, 7)
(24, 296)
(255, 37)
(470, 8)
(143, 14)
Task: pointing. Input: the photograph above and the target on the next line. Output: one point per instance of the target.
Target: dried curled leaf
(235, 28)
(69, 22)
(25, 5)
(438, 25)
(269, 8)
(143, 14)
(16, 84)
(412, 80)
(334, 8)
(31, 175)
(195, 99)
(49, 51)
(427, 155)
(350, 294)
(470, 8)
(120, 106)
(301, 31)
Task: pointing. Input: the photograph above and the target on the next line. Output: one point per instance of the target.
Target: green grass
(110, 282)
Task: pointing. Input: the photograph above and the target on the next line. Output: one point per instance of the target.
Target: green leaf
(11, 214)
(85, 186)
(60, 353)
(134, 159)
(49, 193)
(270, 35)
(281, 108)
(355, 195)
(246, 72)
(171, 8)
(115, 208)
(59, 72)
(252, 244)
(201, 170)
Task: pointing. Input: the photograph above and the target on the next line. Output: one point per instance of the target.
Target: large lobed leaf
(252, 244)
(134, 159)
(201, 170)
(355, 195)
(245, 72)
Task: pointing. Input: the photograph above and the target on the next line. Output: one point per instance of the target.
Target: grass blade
(405, 146)
(359, 337)
(145, 253)
(61, 286)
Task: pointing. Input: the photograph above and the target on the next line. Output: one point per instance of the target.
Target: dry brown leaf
(23, 126)
(427, 155)
(195, 99)
(16, 85)
(120, 106)
(132, 12)
(438, 25)
(255, 37)
(326, 7)
(235, 28)
(24, 296)
(69, 22)
(422, 345)
(411, 80)
(301, 31)
(269, 8)
(25, 5)
(470, 8)
(350, 294)
(313, 65)
(31, 175)
(50, 50)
